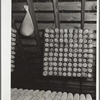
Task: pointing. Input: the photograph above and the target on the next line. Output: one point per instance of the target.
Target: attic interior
(27, 70)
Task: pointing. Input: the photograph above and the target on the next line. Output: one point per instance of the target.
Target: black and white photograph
(53, 50)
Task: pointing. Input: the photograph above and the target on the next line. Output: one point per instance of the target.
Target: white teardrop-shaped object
(27, 27)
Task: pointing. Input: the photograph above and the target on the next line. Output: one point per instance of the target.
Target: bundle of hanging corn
(68, 52)
(20, 94)
(13, 44)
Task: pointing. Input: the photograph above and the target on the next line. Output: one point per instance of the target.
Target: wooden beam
(62, 16)
(33, 17)
(56, 13)
(42, 26)
(82, 13)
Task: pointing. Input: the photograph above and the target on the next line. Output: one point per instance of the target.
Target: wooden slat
(28, 42)
(31, 49)
(67, 25)
(89, 84)
(90, 26)
(62, 6)
(63, 25)
(63, 16)
(89, 91)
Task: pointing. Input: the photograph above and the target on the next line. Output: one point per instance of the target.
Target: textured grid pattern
(68, 52)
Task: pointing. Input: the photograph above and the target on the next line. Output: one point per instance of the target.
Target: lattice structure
(68, 52)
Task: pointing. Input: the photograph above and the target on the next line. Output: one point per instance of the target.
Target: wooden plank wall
(70, 14)
(70, 17)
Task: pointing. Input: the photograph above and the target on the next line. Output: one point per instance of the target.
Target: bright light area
(5, 49)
